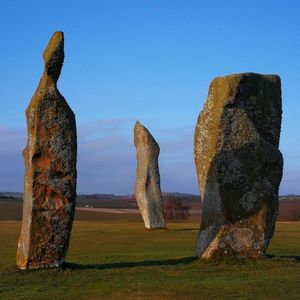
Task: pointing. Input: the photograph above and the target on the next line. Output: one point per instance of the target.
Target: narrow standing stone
(147, 184)
(50, 169)
(239, 165)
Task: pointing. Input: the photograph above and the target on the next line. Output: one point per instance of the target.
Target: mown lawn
(122, 260)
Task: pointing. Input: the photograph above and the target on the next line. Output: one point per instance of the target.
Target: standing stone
(147, 183)
(50, 169)
(239, 165)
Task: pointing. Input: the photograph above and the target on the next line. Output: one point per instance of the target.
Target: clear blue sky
(150, 60)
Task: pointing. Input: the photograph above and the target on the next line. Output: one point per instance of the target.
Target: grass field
(119, 259)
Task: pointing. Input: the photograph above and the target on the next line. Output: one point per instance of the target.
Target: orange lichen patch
(43, 162)
(60, 201)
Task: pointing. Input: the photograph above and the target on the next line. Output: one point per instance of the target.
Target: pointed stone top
(143, 136)
(138, 124)
(140, 127)
(54, 55)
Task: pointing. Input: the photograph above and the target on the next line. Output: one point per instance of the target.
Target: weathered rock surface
(50, 169)
(239, 166)
(147, 183)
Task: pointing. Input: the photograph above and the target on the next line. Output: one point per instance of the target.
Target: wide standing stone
(50, 169)
(147, 183)
(239, 165)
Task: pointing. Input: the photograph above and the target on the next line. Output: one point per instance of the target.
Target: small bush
(294, 214)
(175, 210)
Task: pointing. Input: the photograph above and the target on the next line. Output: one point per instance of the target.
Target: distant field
(119, 259)
(11, 209)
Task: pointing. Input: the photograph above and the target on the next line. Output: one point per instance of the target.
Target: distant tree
(175, 210)
(295, 214)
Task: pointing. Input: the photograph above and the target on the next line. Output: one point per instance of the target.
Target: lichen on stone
(147, 183)
(238, 163)
(50, 169)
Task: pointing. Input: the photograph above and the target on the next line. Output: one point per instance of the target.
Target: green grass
(122, 260)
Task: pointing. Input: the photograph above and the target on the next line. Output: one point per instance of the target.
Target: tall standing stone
(239, 165)
(50, 169)
(147, 183)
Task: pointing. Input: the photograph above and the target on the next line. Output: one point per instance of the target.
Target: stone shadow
(124, 265)
(233, 176)
(292, 258)
(186, 229)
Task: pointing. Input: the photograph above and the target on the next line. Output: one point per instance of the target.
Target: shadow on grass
(124, 265)
(186, 229)
(283, 257)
